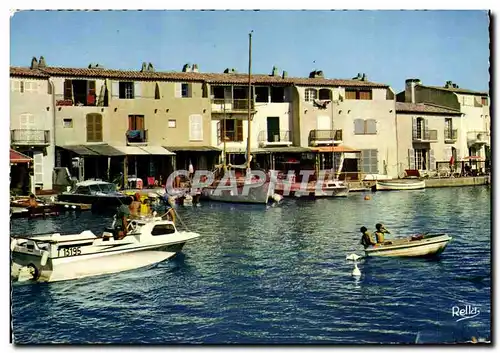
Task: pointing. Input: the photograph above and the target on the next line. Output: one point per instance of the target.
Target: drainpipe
(53, 121)
(397, 140)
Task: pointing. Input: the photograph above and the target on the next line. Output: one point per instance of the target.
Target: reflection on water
(279, 275)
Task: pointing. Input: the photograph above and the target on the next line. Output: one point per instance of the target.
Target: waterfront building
(473, 129)
(352, 117)
(32, 122)
(427, 136)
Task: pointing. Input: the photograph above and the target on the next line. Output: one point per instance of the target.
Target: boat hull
(332, 192)
(97, 202)
(237, 194)
(395, 185)
(430, 245)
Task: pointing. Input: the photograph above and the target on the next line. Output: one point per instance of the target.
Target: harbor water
(280, 276)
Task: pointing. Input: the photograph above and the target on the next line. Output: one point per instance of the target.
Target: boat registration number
(71, 251)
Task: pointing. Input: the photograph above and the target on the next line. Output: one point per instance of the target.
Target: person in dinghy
(367, 238)
(379, 234)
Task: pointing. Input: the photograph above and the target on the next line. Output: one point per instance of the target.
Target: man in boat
(121, 223)
(367, 238)
(32, 201)
(379, 233)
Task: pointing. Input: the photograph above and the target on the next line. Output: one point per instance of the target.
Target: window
(94, 127)
(421, 159)
(484, 101)
(310, 94)
(17, 86)
(262, 94)
(233, 130)
(365, 127)
(68, 123)
(277, 94)
(185, 90)
(364, 94)
(172, 123)
(325, 94)
(31, 86)
(126, 90)
(369, 161)
(157, 91)
(195, 127)
(163, 229)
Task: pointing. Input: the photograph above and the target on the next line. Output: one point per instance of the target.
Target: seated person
(379, 233)
(32, 201)
(146, 207)
(121, 223)
(367, 238)
(135, 205)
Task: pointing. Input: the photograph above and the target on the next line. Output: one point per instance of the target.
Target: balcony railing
(425, 135)
(317, 137)
(478, 138)
(450, 135)
(231, 105)
(136, 137)
(276, 137)
(29, 137)
(81, 101)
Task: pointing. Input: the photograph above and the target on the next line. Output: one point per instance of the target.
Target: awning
(157, 150)
(192, 148)
(473, 158)
(80, 150)
(105, 150)
(17, 157)
(131, 150)
(339, 149)
(236, 150)
(289, 149)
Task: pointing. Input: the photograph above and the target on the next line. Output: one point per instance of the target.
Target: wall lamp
(59, 108)
(116, 109)
(156, 110)
(48, 108)
(167, 110)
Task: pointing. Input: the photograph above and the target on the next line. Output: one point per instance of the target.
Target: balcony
(136, 137)
(425, 135)
(478, 138)
(324, 137)
(274, 138)
(450, 136)
(24, 137)
(81, 101)
(219, 106)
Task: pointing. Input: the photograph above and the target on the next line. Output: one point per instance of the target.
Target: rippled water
(279, 276)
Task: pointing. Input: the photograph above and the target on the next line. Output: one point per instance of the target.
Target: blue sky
(389, 46)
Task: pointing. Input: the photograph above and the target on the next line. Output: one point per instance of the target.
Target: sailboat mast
(224, 163)
(249, 97)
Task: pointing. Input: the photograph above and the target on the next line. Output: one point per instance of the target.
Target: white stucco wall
(37, 101)
(476, 119)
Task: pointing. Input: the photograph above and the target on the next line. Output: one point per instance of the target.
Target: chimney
(448, 84)
(364, 78)
(226, 71)
(410, 89)
(91, 66)
(151, 67)
(195, 68)
(285, 74)
(275, 71)
(41, 62)
(186, 68)
(34, 63)
(233, 70)
(312, 74)
(144, 67)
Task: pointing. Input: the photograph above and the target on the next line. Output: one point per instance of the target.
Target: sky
(388, 46)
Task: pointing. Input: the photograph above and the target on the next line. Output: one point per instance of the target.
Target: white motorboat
(57, 257)
(401, 184)
(333, 188)
(413, 246)
(246, 193)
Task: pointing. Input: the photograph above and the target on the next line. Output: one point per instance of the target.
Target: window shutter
(115, 89)
(139, 122)
(219, 132)
(411, 158)
(178, 90)
(49, 88)
(371, 126)
(21, 86)
(195, 127)
(68, 90)
(359, 126)
(90, 128)
(91, 93)
(38, 167)
(374, 161)
(459, 156)
(414, 127)
(239, 130)
(98, 127)
(432, 160)
(137, 89)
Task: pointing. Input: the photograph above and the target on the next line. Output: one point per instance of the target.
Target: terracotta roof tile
(26, 72)
(424, 108)
(459, 90)
(213, 78)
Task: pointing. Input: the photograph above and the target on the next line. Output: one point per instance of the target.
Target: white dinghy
(413, 246)
(56, 257)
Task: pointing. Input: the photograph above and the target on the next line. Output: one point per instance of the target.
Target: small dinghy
(56, 257)
(400, 184)
(413, 246)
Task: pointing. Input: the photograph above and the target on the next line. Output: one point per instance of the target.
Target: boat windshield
(105, 188)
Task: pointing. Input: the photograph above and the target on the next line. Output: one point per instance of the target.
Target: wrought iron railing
(325, 135)
(274, 136)
(451, 134)
(425, 135)
(136, 136)
(231, 105)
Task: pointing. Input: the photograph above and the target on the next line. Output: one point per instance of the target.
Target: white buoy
(353, 257)
(356, 272)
